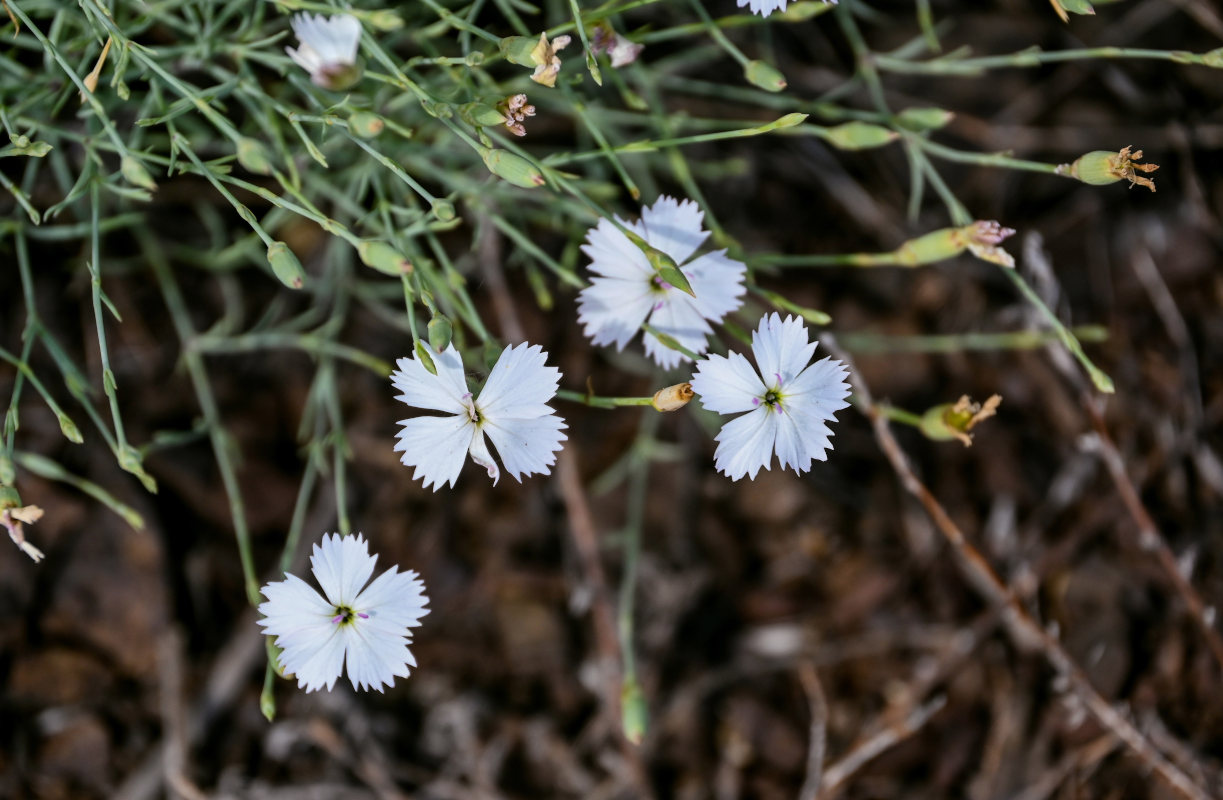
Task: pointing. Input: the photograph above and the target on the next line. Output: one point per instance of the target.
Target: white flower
(368, 628)
(628, 292)
(510, 409)
(787, 409)
(327, 48)
(766, 7)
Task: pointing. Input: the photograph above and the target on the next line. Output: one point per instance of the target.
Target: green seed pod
(71, 432)
(512, 168)
(253, 156)
(8, 471)
(440, 333)
(382, 257)
(135, 173)
(285, 265)
(633, 712)
(443, 210)
(924, 119)
(9, 498)
(518, 50)
(481, 114)
(1095, 168)
(935, 246)
(859, 136)
(366, 124)
(764, 76)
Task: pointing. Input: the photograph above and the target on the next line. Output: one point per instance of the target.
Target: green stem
(594, 401)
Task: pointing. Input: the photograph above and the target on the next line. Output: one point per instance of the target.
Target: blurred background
(772, 614)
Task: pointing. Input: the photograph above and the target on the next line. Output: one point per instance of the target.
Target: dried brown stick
(818, 741)
(1023, 629)
(840, 771)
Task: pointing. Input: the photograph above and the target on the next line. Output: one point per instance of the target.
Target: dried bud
(955, 421)
(1100, 168)
(672, 397)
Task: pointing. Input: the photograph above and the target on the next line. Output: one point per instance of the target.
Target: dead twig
(818, 742)
(1023, 629)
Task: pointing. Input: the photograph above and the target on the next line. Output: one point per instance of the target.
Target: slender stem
(595, 401)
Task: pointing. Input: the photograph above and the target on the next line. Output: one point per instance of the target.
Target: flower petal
(422, 389)
(394, 601)
(821, 389)
(718, 283)
(781, 348)
(527, 446)
(677, 316)
(478, 450)
(519, 385)
(611, 310)
(435, 446)
(745, 444)
(342, 565)
(728, 384)
(612, 255)
(673, 227)
(375, 659)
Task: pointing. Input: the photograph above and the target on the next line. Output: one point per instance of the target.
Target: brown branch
(839, 772)
(1023, 629)
(818, 742)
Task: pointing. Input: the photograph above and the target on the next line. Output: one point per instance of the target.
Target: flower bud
(67, 427)
(1100, 168)
(423, 356)
(443, 210)
(285, 266)
(518, 49)
(633, 713)
(764, 76)
(859, 136)
(253, 156)
(366, 124)
(382, 257)
(481, 114)
(135, 173)
(440, 333)
(512, 168)
(955, 421)
(8, 471)
(924, 119)
(672, 397)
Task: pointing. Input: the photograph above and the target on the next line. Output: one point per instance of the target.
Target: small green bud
(764, 76)
(366, 124)
(382, 257)
(285, 265)
(267, 704)
(1214, 58)
(71, 432)
(518, 50)
(633, 713)
(19, 140)
(668, 271)
(8, 471)
(253, 156)
(131, 460)
(956, 420)
(924, 119)
(135, 173)
(443, 210)
(440, 333)
(512, 168)
(426, 360)
(474, 59)
(384, 20)
(859, 136)
(481, 114)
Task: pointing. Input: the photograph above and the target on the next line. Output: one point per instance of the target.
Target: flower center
(473, 413)
(345, 615)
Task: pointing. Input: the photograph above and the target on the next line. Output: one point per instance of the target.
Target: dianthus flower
(788, 401)
(327, 49)
(628, 291)
(367, 628)
(511, 409)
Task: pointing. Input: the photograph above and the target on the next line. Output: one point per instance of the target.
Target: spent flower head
(788, 400)
(327, 49)
(511, 409)
(547, 62)
(621, 51)
(366, 628)
(628, 291)
(1100, 168)
(13, 518)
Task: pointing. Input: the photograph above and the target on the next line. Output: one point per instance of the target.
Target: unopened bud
(956, 420)
(1100, 168)
(423, 356)
(285, 266)
(443, 210)
(633, 713)
(135, 173)
(672, 397)
(440, 333)
(253, 156)
(764, 76)
(382, 257)
(366, 124)
(859, 136)
(67, 427)
(8, 471)
(924, 119)
(513, 168)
